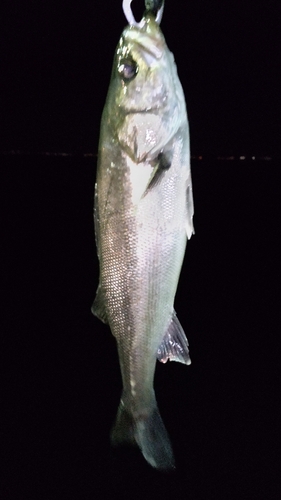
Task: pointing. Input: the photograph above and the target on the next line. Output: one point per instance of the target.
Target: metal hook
(154, 6)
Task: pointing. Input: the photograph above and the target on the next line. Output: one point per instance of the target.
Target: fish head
(140, 62)
(145, 100)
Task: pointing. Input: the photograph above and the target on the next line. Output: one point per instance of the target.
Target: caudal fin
(148, 432)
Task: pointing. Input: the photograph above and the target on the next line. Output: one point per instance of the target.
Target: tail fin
(148, 432)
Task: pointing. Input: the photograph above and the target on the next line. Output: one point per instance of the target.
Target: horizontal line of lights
(227, 158)
(94, 155)
(44, 153)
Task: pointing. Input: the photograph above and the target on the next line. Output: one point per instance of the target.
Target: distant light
(253, 157)
(242, 157)
(199, 157)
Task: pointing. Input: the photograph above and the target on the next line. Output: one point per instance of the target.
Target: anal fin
(174, 345)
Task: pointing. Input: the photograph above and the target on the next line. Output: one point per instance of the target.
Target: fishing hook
(154, 6)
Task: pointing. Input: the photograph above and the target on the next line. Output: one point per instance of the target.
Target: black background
(61, 383)
(56, 63)
(61, 376)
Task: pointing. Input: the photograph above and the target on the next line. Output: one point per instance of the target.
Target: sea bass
(143, 217)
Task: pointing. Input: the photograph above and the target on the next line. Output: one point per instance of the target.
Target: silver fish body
(143, 217)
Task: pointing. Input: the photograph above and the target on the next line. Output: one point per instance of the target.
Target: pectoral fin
(163, 163)
(98, 308)
(174, 345)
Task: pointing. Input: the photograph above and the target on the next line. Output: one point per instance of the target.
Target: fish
(143, 213)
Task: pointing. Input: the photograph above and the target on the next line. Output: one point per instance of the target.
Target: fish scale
(143, 217)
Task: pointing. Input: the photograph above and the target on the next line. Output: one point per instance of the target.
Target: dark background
(61, 384)
(56, 63)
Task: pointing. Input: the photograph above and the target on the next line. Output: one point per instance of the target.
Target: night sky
(57, 59)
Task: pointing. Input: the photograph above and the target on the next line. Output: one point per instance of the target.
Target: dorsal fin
(98, 307)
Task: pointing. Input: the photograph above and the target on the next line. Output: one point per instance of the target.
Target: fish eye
(127, 69)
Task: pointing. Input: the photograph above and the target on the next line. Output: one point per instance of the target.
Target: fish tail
(154, 442)
(123, 429)
(148, 432)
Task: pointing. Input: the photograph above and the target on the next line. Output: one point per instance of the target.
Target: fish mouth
(150, 44)
(134, 111)
(149, 53)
